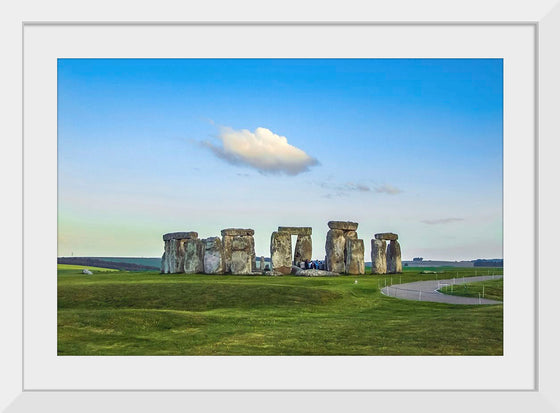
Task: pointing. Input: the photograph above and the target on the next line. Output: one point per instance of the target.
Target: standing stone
(226, 250)
(194, 256)
(262, 264)
(173, 258)
(355, 256)
(213, 263)
(238, 250)
(303, 250)
(378, 256)
(241, 262)
(335, 247)
(281, 252)
(394, 263)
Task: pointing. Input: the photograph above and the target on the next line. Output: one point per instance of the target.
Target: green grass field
(147, 313)
(492, 289)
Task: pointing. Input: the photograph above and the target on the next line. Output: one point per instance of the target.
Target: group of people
(311, 265)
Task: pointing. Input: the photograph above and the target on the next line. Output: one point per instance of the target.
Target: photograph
(280, 206)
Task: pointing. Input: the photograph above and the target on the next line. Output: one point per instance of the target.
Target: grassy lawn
(492, 289)
(147, 313)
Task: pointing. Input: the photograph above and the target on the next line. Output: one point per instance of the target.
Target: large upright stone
(394, 263)
(173, 256)
(335, 247)
(241, 262)
(238, 250)
(213, 263)
(281, 252)
(389, 236)
(194, 256)
(227, 240)
(261, 265)
(303, 250)
(296, 230)
(343, 225)
(355, 256)
(378, 256)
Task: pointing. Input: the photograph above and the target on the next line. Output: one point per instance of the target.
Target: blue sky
(412, 146)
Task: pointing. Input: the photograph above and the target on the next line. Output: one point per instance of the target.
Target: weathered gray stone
(296, 230)
(180, 235)
(241, 243)
(86, 271)
(213, 263)
(226, 253)
(389, 236)
(314, 273)
(281, 252)
(194, 256)
(378, 256)
(394, 263)
(334, 248)
(241, 262)
(343, 225)
(355, 256)
(173, 256)
(262, 264)
(238, 231)
(304, 249)
(350, 235)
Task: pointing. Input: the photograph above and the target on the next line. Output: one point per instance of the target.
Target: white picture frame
(545, 18)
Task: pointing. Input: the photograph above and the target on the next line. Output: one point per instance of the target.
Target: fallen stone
(296, 230)
(343, 225)
(303, 250)
(86, 271)
(213, 256)
(237, 231)
(394, 263)
(378, 256)
(355, 257)
(315, 273)
(389, 236)
(180, 235)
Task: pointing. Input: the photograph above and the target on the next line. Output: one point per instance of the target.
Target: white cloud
(262, 150)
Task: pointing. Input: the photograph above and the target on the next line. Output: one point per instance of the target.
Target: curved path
(427, 291)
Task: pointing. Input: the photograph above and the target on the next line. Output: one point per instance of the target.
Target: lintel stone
(343, 225)
(388, 236)
(237, 232)
(296, 230)
(180, 235)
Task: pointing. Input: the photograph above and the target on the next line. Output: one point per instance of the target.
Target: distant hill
(117, 263)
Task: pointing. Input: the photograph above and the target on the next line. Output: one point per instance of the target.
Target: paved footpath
(427, 291)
